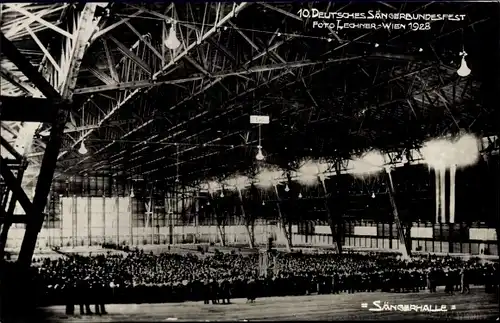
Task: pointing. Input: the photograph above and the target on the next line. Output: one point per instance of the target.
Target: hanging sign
(259, 119)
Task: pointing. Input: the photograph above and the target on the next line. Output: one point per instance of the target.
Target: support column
(61, 212)
(248, 222)
(453, 171)
(442, 195)
(401, 232)
(117, 202)
(284, 227)
(104, 218)
(89, 213)
(337, 242)
(10, 209)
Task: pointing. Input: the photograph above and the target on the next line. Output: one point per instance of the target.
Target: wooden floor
(477, 305)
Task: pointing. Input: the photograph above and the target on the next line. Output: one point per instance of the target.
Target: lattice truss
(143, 109)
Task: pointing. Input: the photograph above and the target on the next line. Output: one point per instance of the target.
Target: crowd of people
(140, 277)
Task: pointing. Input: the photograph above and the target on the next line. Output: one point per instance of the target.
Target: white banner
(482, 234)
(365, 231)
(417, 232)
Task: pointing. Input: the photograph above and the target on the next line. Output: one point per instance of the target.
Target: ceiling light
(208, 203)
(287, 189)
(172, 42)
(82, 150)
(263, 203)
(260, 156)
(132, 194)
(221, 194)
(420, 49)
(464, 70)
(376, 45)
(300, 195)
(373, 195)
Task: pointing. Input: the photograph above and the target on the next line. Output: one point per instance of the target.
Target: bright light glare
(268, 177)
(443, 153)
(308, 173)
(238, 182)
(370, 163)
(466, 151)
(438, 153)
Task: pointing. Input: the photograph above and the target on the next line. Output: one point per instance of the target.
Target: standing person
(335, 283)
(83, 291)
(464, 283)
(206, 291)
(214, 286)
(449, 283)
(99, 294)
(226, 291)
(429, 281)
(69, 297)
(251, 290)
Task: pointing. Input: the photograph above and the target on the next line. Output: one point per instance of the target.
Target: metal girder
(16, 81)
(15, 218)
(10, 149)
(15, 56)
(39, 19)
(234, 107)
(235, 10)
(11, 181)
(403, 238)
(27, 109)
(14, 29)
(176, 105)
(131, 55)
(203, 76)
(72, 54)
(86, 24)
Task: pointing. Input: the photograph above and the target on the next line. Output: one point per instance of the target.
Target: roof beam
(39, 20)
(233, 108)
(224, 74)
(28, 109)
(210, 84)
(25, 86)
(235, 10)
(116, 24)
(131, 55)
(15, 56)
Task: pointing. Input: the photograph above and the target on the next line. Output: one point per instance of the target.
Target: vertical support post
(218, 217)
(442, 195)
(61, 216)
(131, 220)
(104, 217)
(249, 226)
(11, 207)
(117, 220)
(337, 242)
(453, 171)
(89, 214)
(288, 238)
(152, 220)
(169, 210)
(73, 221)
(43, 186)
(437, 183)
(401, 233)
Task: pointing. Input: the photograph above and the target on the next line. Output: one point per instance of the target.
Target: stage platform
(476, 305)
